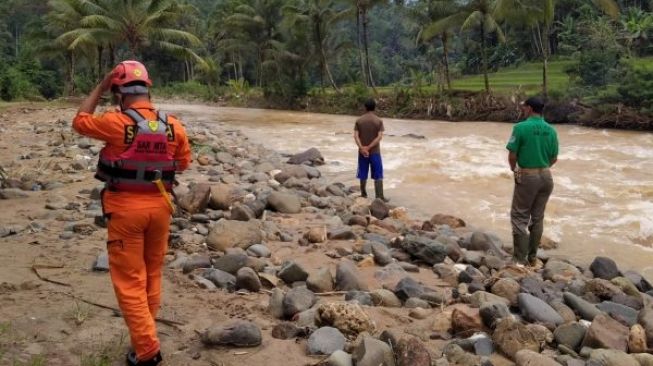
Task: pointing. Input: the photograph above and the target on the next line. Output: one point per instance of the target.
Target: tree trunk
(240, 66)
(73, 87)
(543, 39)
(445, 46)
(16, 38)
(484, 56)
(328, 72)
(100, 50)
(324, 67)
(367, 54)
(112, 55)
(233, 59)
(360, 46)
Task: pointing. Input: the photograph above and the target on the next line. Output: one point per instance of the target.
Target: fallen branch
(171, 323)
(35, 269)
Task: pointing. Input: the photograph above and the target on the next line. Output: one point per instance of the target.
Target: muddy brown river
(602, 203)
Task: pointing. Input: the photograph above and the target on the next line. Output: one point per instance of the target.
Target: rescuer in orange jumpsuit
(144, 148)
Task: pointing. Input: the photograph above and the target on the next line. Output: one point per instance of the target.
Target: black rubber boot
(378, 190)
(154, 361)
(520, 248)
(364, 188)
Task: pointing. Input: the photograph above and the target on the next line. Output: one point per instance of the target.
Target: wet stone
(101, 262)
(363, 298)
(238, 333)
(325, 341)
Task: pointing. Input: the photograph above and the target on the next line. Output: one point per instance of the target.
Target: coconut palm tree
(361, 8)
(65, 16)
(257, 22)
(136, 24)
(427, 13)
(321, 16)
(473, 14)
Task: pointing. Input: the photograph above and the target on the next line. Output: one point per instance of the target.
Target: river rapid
(602, 202)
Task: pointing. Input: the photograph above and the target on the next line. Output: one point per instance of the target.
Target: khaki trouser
(528, 204)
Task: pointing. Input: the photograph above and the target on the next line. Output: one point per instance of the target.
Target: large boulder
(584, 309)
(511, 336)
(223, 196)
(623, 314)
(285, 203)
(320, 280)
(348, 278)
(379, 209)
(297, 300)
(197, 198)
(412, 352)
(373, 352)
(311, 156)
(221, 279)
(466, 320)
(645, 319)
(605, 268)
(570, 335)
(407, 287)
(238, 333)
(246, 278)
(611, 357)
(231, 262)
(325, 341)
(241, 212)
(529, 358)
(640, 282)
(508, 289)
(555, 270)
(606, 332)
(291, 272)
(289, 172)
(231, 233)
(537, 310)
(492, 312)
(637, 339)
(451, 221)
(426, 250)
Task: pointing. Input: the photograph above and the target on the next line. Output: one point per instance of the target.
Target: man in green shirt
(533, 149)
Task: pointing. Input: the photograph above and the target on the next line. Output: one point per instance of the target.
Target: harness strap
(134, 115)
(133, 174)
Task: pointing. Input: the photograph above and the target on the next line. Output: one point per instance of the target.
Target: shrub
(189, 89)
(14, 84)
(596, 68)
(636, 88)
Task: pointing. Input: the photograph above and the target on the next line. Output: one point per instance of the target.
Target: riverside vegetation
(270, 262)
(456, 60)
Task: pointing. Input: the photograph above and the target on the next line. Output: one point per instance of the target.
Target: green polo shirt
(535, 142)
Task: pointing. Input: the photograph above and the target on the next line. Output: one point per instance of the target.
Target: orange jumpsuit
(138, 228)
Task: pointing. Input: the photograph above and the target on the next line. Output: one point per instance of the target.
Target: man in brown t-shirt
(368, 133)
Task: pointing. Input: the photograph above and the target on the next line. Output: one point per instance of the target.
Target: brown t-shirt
(368, 127)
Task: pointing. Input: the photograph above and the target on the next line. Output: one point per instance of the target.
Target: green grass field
(526, 77)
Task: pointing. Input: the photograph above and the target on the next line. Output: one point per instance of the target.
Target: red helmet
(128, 72)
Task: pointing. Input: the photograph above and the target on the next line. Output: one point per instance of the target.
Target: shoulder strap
(134, 115)
(162, 116)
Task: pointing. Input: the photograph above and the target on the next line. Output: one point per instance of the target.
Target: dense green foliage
(285, 49)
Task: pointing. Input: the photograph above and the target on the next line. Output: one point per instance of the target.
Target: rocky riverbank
(271, 263)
